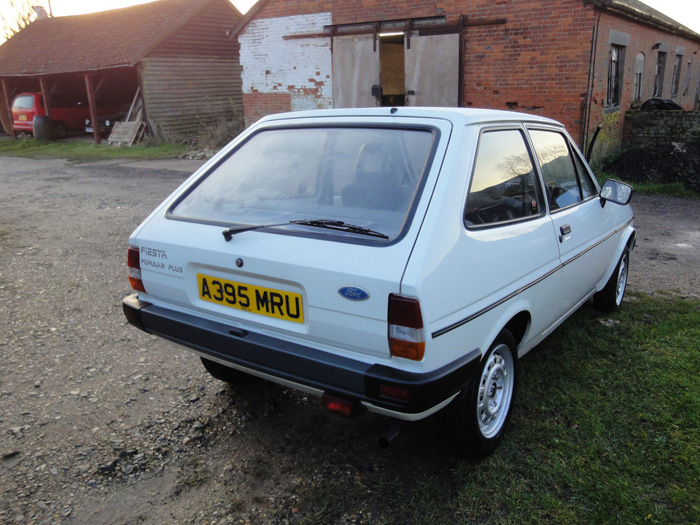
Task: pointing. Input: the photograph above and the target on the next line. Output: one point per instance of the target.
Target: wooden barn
(175, 53)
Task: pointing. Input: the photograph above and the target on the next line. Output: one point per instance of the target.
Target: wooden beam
(6, 111)
(427, 29)
(94, 118)
(45, 96)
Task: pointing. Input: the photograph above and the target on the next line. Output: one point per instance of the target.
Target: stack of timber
(132, 127)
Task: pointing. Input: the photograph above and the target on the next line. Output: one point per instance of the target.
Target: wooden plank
(124, 132)
(94, 119)
(133, 103)
(6, 111)
(45, 96)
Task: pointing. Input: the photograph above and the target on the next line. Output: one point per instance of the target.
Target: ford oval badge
(353, 293)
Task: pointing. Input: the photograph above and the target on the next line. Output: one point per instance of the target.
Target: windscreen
(362, 176)
(24, 102)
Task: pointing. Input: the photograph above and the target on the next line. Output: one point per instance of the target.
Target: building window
(686, 84)
(615, 75)
(659, 77)
(638, 72)
(676, 80)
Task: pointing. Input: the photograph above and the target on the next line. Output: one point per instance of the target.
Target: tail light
(406, 335)
(341, 406)
(133, 263)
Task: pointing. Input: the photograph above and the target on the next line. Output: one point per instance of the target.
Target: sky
(77, 7)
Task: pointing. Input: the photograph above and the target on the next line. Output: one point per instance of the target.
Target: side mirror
(615, 191)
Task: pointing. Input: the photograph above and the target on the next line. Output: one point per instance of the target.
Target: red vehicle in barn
(66, 114)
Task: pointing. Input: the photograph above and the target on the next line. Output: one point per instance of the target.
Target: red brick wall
(257, 105)
(642, 40)
(538, 62)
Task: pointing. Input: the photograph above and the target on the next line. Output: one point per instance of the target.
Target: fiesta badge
(354, 293)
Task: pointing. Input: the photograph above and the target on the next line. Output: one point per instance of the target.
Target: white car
(398, 260)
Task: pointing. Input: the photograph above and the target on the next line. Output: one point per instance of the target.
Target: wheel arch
(517, 323)
(518, 326)
(627, 242)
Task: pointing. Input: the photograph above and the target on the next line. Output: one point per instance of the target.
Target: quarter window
(504, 185)
(566, 179)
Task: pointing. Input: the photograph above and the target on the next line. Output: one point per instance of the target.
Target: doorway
(413, 68)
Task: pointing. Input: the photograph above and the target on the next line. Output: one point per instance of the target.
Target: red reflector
(133, 264)
(394, 392)
(342, 407)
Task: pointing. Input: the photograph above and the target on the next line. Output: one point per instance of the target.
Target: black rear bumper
(337, 375)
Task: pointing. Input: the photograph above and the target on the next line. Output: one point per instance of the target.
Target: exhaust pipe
(394, 432)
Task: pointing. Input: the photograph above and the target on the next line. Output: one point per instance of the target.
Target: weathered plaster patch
(272, 64)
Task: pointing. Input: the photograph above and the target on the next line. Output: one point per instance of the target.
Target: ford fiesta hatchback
(396, 260)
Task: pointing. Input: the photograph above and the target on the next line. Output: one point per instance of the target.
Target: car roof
(464, 116)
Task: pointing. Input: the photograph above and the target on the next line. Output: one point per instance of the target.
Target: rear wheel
(476, 420)
(225, 373)
(610, 297)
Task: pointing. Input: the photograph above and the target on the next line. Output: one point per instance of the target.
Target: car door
(581, 225)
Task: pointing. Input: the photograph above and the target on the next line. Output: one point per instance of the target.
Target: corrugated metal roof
(108, 39)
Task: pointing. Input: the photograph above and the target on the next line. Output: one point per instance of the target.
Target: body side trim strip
(517, 292)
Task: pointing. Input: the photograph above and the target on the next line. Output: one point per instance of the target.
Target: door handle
(564, 230)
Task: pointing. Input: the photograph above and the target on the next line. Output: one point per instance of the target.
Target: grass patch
(81, 151)
(606, 429)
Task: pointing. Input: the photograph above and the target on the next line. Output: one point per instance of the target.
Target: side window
(504, 185)
(588, 187)
(565, 179)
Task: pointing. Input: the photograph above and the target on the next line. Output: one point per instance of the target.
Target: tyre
(60, 130)
(610, 298)
(475, 421)
(226, 374)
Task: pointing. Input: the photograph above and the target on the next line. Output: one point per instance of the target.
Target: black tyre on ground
(475, 421)
(610, 298)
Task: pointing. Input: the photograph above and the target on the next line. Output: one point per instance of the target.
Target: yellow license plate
(23, 117)
(250, 298)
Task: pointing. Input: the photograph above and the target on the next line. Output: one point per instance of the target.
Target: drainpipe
(591, 81)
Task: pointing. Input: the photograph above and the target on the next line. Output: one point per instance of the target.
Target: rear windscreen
(23, 102)
(365, 176)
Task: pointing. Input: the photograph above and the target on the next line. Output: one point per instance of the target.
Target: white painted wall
(300, 67)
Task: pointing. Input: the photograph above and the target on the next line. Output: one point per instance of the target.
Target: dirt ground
(101, 423)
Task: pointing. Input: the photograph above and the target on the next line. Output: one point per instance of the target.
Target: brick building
(584, 62)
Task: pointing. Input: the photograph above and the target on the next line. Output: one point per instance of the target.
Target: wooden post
(93, 109)
(6, 111)
(45, 96)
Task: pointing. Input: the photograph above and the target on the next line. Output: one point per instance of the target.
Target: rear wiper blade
(228, 233)
(341, 226)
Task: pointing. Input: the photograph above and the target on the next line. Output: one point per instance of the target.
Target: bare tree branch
(15, 15)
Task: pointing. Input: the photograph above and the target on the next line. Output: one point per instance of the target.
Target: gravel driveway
(101, 423)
